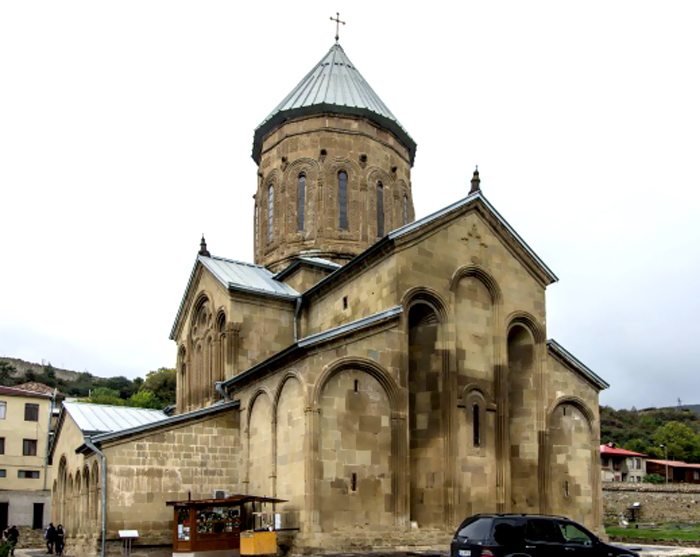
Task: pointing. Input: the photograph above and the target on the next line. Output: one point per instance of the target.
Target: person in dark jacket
(12, 537)
(50, 536)
(60, 539)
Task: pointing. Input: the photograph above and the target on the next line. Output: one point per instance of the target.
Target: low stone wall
(659, 503)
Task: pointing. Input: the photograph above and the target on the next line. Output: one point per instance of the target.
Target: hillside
(644, 431)
(22, 366)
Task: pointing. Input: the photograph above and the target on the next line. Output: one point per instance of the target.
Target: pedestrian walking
(12, 537)
(50, 536)
(60, 540)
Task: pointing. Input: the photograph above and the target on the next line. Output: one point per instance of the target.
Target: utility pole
(665, 458)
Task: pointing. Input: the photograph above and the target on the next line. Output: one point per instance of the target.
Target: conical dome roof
(334, 85)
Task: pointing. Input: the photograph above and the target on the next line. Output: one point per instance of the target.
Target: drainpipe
(297, 311)
(48, 438)
(92, 447)
(219, 387)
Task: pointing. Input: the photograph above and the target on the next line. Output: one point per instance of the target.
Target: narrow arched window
(270, 212)
(343, 200)
(301, 201)
(476, 425)
(405, 209)
(380, 209)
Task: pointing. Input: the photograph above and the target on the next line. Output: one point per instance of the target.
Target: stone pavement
(646, 551)
(661, 550)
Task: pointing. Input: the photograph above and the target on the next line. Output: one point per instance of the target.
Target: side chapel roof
(336, 86)
(103, 418)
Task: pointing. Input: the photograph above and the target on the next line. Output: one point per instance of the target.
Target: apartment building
(621, 465)
(25, 422)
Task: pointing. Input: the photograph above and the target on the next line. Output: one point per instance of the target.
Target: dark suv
(521, 535)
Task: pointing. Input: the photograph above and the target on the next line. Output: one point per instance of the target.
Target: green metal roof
(334, 85)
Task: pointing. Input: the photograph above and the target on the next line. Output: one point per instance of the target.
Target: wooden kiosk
(238, 525)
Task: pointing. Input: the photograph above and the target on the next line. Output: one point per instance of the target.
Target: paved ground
(646, 551)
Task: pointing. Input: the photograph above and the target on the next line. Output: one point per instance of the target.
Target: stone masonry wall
(144, 473)
(660, 503)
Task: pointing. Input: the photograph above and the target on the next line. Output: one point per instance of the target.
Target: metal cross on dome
(337, 25)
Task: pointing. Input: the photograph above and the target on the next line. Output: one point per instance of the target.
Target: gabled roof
(102, 418)
(614, 451)
(426, 222)
(17, 391)
(36, 387)
(568, 358)
(316, 262)
(333, 85)
(237, 275)
(166, 422)
(310, 341)
(673, 463)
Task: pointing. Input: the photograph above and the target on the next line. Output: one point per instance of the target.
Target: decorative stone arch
(275, 180)
(78, 502)
(356, 184)
(376, 176)
(546, 454)
(525, 319)
(97, 489)
(278, 392)
(425, 295)
(578, 403)
(370, 367)
(402, 190)
(253, 399)
(398, 457)
(312, 171)
(483, 276)
(62, 499)
(87, 487)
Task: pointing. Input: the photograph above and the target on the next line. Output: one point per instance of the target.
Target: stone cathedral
(386, 376)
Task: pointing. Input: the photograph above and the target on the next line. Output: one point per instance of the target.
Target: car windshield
(476, 530)
(575, 534)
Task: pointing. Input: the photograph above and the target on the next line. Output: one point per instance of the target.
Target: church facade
(386, 376)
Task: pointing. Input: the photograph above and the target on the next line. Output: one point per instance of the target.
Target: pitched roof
(102, 418)
(333, 85)
(614, 451)
(573, 362)
(36, 387)
(167, 421)
(237, 275)
(16, 391)
(673, 463)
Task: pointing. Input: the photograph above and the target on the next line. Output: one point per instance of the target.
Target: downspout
(92, 447)
(219, 387)
(48, 438)
(297, 311)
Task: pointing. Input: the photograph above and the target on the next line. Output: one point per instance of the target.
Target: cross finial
(337, 25)
(203, 248)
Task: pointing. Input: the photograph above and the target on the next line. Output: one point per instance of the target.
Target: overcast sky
(126, 131)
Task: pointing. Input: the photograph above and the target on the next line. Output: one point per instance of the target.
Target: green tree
(103, 395)
(6, 374)
(144, 399)
(30, 375)
(163, 384)
(679, 440)
(638, 445)
(654, 479)
(122, 385)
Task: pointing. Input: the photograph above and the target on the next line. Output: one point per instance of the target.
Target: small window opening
(353, 482)
(345, 302)
(380, 210)
(301, 199)
(270, 212)
(564, 409)
(476, 425)
(405, 209)
(357, 385)
(343, 200)
(566, 489)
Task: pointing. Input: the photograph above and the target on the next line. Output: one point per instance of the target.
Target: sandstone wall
(660, 503)
(191, 460)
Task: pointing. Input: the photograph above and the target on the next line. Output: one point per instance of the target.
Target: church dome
(333, 86)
